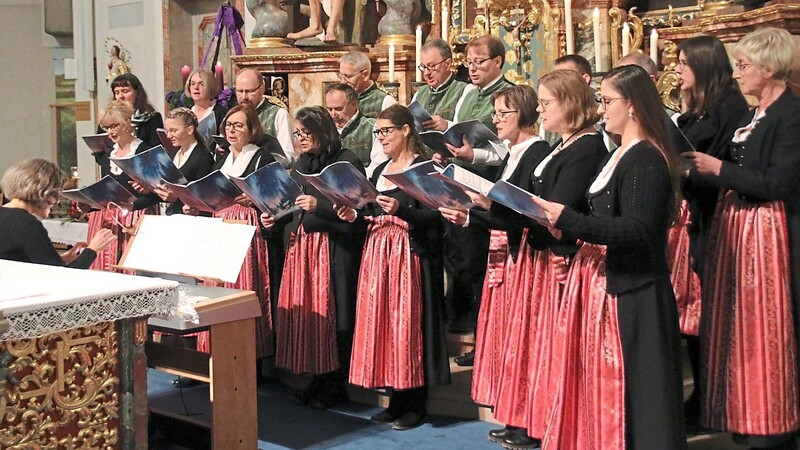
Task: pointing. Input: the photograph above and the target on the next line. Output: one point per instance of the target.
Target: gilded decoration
(668, 83)
(61, 390)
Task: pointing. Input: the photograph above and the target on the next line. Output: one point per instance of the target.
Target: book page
(202, 247)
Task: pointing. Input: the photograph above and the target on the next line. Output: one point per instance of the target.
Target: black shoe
(409, 420)
(384, 416)
(499, 435)
(465, 360)
(519, 440)
(330, 395)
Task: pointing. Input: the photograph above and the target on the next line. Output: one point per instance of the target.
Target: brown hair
(35, 181)
(493, 45)
(575, 96)
(399, 115)
(251, 120)
(633, 83)
(523, 98)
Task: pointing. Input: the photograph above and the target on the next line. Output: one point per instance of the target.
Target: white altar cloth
(65, 232)
(38, 300)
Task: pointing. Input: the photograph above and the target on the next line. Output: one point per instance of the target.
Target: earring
(630, 113)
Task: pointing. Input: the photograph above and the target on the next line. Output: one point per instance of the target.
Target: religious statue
(401, 17)
(315, 25)
(117, 65)
(279, 90)
(271, 19)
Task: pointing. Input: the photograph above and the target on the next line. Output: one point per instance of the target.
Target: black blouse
(630, 215)
(197, 166)
(25, 240)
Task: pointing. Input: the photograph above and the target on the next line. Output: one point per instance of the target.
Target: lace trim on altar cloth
(160, 302)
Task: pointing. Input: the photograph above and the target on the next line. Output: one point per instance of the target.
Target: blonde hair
(35, 181)
(209, 82)
(770, 49)
(117, 111)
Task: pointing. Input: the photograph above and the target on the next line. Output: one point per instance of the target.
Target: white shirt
(113, 168)
(235, 167)
(608, 170)
(485, 156)
(515, 154)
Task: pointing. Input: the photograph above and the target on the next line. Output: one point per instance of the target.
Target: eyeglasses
(344, 76)
(468, 64)
(605, 101)
(301, 135)
(430, 67)
(248, 91)
(545, 103)
(385, 131)
(111, 127)
(174, 131)
(235, 126)
(741, 66)
(503, 115)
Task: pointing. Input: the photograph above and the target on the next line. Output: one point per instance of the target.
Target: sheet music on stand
(196, 247)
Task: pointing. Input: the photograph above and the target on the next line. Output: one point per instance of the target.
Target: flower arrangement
(179, 98)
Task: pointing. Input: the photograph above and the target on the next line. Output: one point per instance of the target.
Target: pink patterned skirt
(534, 304)
(306, 326)
(748, 345)
(492, 320)
(685, 282)
(105, 219)
(588, 404)
(253, 276)
(387, 343)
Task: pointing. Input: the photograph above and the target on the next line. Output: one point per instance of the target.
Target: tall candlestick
(218, 74)
(445, 21)
(568, 25)
(626, 39)
(185, 70)
(598, 59)
(654, 46)
(419, 54)
(391, 63)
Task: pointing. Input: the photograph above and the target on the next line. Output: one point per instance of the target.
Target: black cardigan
(197, 166)
(424, 224)
(630, 215)
(25, 239)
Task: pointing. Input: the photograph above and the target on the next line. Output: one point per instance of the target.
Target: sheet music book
(517, 199)
(464, 179)
(221, 141)
(679, 141)
(99, 143)
(214, 192)
(420, 115)
(430, 190)
(343, 185)
(200, 247)
(102, 192)
(271, 189)
(165, 141)
(151, 167)
(476, 132)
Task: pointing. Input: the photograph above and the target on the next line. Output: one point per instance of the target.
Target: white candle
(626, 39)
(568, 25)
(445, 21)
(598, 59)
(419, 54)
(654, 46)
(391, 63)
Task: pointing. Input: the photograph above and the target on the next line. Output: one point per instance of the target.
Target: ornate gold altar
(72, 363)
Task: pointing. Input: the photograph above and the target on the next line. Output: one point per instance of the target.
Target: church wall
(27, 86)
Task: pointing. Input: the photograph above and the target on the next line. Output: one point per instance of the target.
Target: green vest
(442, 101)
(357, 136)
(477, 105)
(266, 115)
(370, 102)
